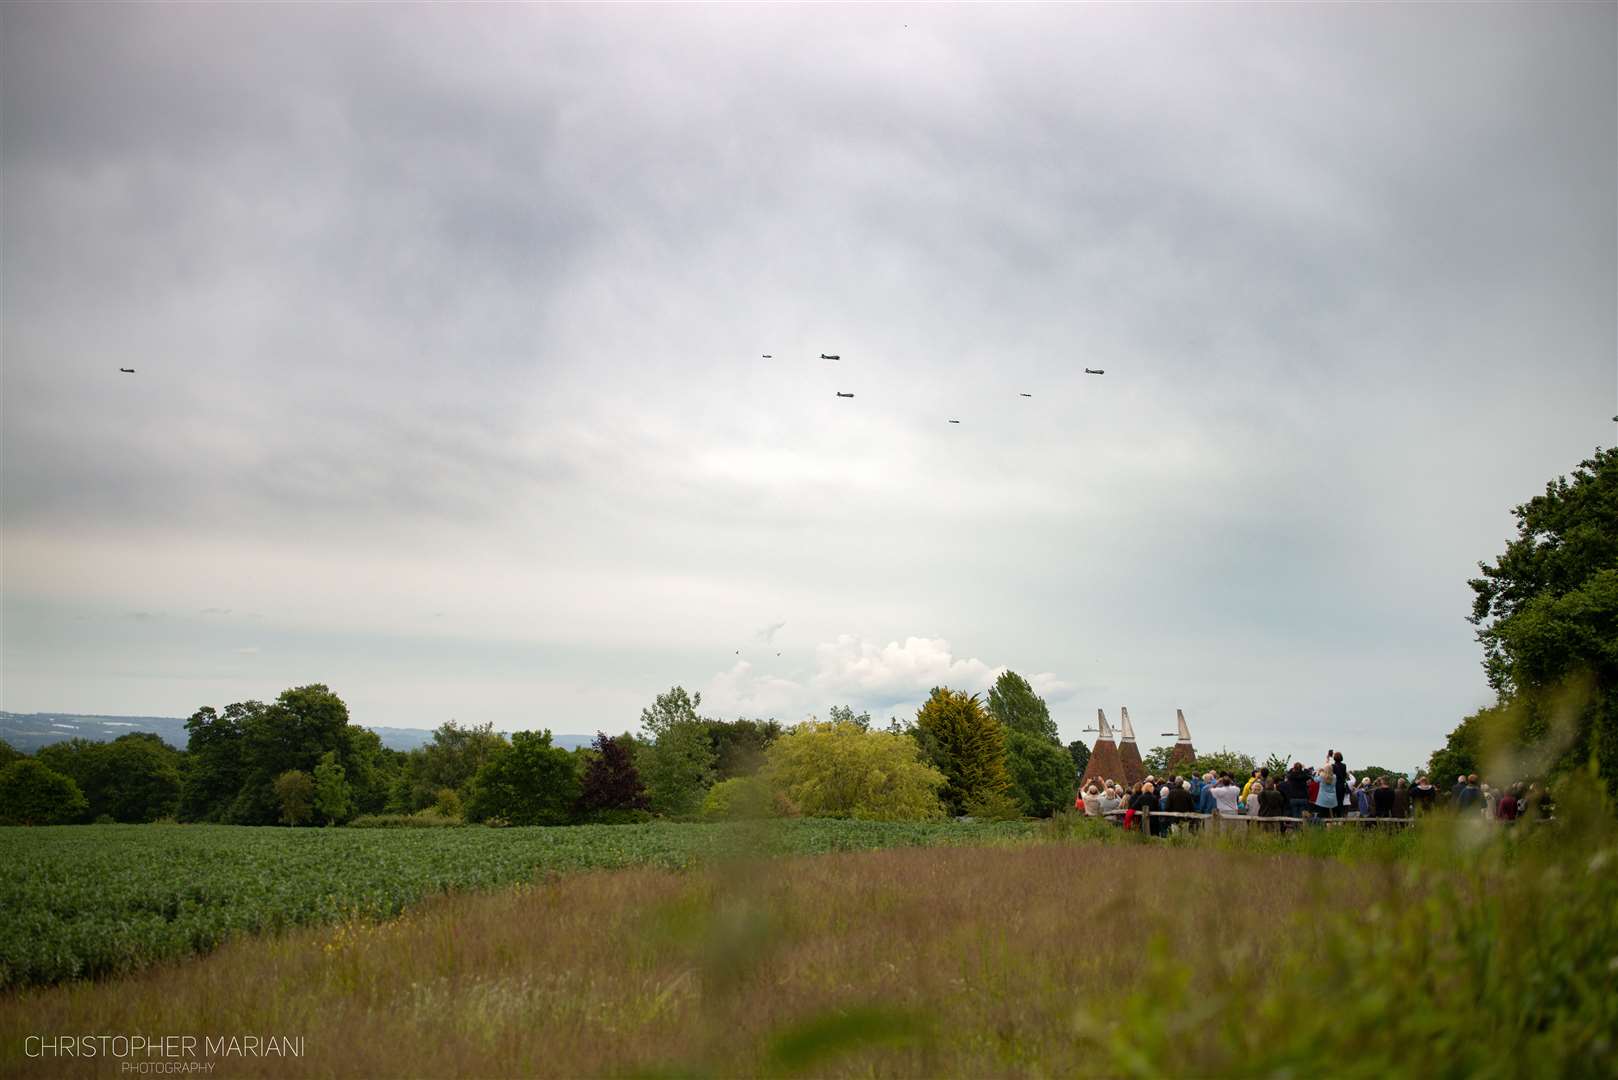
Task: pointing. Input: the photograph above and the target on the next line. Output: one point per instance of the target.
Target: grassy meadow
(111, 899)
(1078, 951)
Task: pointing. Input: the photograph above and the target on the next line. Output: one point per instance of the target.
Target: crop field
(1487, 954)
(104, 900)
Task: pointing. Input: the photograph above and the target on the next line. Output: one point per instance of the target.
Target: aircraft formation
(951, 420)
(846, 394)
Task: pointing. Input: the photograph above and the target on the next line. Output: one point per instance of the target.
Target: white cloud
(1049, 687)
(856, 669)
(851, 670)
(742, 692)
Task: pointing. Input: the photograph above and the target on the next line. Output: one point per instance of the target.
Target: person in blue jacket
(1205, 799)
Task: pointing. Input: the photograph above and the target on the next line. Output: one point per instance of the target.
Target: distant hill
(30, 731)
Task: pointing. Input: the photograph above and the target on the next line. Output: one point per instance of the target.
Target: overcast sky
(448, 326)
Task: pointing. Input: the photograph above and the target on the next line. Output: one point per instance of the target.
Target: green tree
(1012, 701)
(739, 745)
(739, 798)
(84, 762)
(670, 709)
(845, 714)
(530, 782)
(32, 794)
(1462, 752)
(1238, 765)
(295, 791)
(1547, 615)
(677, 769)
(677, 761)
(968, 746)
(1374, 773)
(9, 753)
(290, 734)
(448, 804)
(449, 760)
(134, 778)
(1042, 777)
(217, 760)
(333, 797)
(1079, 752)
(1155, 760)
(366, 770)
(144, 783)
(840, 769)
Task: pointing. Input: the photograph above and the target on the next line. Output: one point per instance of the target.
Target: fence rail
(1248, 818)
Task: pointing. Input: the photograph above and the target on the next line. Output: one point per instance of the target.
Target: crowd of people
(1300, 795)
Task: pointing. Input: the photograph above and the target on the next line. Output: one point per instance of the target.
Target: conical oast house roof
(1129, 753)
(1105, 764)
(1183, 758)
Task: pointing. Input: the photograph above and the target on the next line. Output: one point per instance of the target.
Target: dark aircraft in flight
(841, 394)
(1025, 395)
(955, 421)
(767, 356)
(830, 356)
(1094, 371)
(127, 370)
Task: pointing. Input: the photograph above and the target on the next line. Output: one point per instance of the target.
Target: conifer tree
(969, 747)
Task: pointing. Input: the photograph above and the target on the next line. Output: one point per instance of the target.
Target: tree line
(300, 761)
(1546, 613)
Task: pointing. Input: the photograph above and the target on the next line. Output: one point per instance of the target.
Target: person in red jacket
(1506, 810)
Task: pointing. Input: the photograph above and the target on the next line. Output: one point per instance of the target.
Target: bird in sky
(1094, 371)
(841, 394)
(830, 356)
(131, 371)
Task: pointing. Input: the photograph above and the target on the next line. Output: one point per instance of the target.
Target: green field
(104, 900)
(1459, 949)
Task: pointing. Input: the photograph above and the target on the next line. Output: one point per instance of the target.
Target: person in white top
(1225, 795)
(1092, 799)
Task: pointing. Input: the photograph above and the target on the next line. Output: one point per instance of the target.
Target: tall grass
(108, 901)
(1434, 952)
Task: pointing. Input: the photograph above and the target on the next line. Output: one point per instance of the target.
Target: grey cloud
(480, 298)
